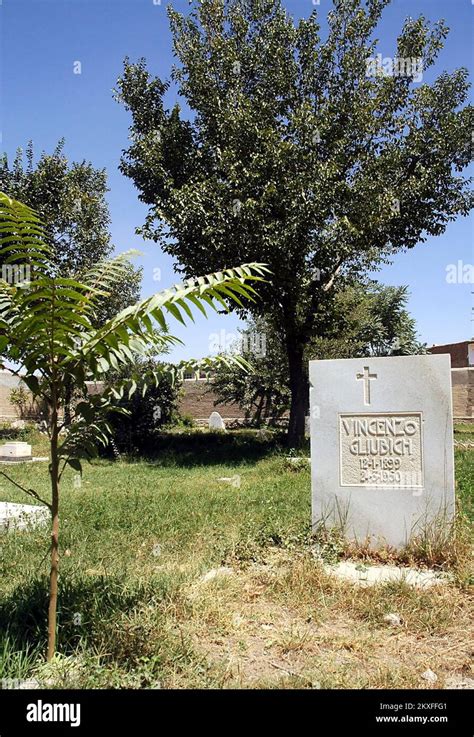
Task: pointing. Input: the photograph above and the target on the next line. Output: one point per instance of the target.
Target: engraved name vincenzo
(381, 449)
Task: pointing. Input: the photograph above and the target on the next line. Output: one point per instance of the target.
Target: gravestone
(382, 462)
(21, 516)
(15, 452)
(216, 422)
(18, 425)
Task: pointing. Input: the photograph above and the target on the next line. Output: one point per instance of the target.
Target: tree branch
(30, 492)
(327, 286)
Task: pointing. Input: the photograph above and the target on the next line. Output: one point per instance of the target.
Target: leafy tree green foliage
(47, 330)
(296, 153)
(71, 202)
(147, 414)
(368, 320)
(263, 392)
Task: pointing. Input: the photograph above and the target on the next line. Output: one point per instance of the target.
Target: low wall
(463, 392)
(9, 411)
(198, 402)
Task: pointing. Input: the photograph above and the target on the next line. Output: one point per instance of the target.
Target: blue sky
(43, 100)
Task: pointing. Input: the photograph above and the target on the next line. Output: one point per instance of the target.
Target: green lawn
(137, 538)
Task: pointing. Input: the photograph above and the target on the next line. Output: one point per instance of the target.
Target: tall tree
(70, 200)
(301, 151)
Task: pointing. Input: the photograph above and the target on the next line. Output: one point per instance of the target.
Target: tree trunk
(68, 389)
(53, 577)
(299, 387)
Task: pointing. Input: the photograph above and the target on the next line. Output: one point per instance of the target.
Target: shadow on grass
(85, 606)
(190, 449)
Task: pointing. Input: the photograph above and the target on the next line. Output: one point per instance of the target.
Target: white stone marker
(21, 516)
(216, 422)
(15, 452)
(382, 461)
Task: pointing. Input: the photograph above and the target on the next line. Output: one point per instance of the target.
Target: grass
(136, 611)
(463, 428)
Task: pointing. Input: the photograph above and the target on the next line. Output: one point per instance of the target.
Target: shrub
(135, 433)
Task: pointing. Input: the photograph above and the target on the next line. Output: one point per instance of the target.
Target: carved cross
(366, 377)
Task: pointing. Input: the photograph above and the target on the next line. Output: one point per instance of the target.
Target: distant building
(462, 354)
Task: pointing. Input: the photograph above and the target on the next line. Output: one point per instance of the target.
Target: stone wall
(198, 402)
(463, 392)
(9, 411)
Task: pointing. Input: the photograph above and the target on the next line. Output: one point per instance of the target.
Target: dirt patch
(254, 635)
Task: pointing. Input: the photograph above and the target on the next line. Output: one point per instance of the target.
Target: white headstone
(216, 422)
(382, 446)
(21, 516)
(15, 452)
(18, 425)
